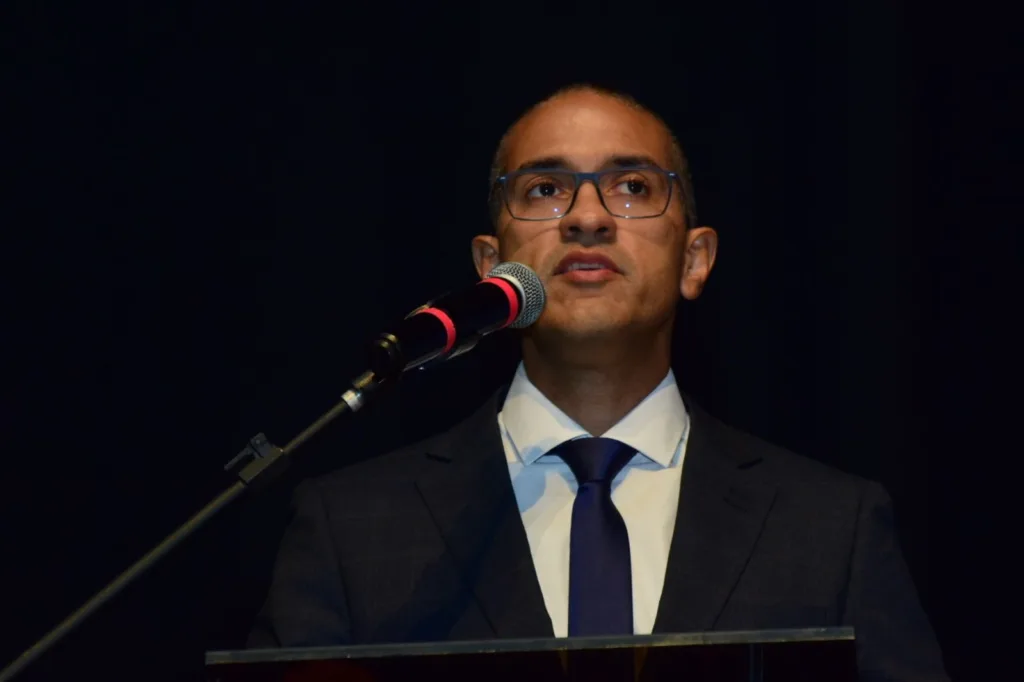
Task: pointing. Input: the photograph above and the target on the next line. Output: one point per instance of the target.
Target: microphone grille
(529, 285)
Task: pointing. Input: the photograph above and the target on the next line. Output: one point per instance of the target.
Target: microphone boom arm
(255, 466)
(510, 295)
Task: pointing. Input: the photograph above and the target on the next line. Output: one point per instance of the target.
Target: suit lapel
(469, 493)
(721, 512)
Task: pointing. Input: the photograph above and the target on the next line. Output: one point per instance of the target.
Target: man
(519, 522)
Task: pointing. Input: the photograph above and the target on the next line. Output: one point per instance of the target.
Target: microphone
(511, 295)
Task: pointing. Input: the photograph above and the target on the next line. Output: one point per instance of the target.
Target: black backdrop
(214, 207)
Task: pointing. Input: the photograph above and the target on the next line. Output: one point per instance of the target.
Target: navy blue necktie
(600, 580)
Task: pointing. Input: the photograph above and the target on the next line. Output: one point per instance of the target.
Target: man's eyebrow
(558, 162)
(561, 163)
(631, 160)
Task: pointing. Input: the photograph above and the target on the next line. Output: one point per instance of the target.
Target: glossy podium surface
(818, 654)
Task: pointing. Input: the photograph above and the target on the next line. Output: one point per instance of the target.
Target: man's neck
(597, 395)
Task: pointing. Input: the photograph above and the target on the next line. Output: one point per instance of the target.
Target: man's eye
(633, 186)
(543, 190)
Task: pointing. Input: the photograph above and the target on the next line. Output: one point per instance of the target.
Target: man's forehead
(587, 130)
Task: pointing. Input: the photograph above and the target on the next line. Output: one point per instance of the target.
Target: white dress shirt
(646, 491)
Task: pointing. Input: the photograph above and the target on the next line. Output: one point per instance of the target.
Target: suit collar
(467, 489)
(535, 425)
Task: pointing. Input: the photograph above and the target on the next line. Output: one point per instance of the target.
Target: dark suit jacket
(427, 544)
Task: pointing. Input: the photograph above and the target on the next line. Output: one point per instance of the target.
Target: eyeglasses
(548, 194)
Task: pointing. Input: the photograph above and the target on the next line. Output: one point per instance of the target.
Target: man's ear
(485, 253)
(701, 249)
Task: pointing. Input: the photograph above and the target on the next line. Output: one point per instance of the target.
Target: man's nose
(589, 221)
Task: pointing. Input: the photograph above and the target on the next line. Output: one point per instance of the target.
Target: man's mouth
(580, 266)
(584, 266)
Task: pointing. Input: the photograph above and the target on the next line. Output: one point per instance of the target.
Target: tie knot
(594, 460)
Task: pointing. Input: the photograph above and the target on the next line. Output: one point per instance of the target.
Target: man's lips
(602, 275)
(580, 266)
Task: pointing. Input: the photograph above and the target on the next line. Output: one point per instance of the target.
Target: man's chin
(583, 327)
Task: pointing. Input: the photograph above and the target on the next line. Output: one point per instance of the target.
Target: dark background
(213, 206)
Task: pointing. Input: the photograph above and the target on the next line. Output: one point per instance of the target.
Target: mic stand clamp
(259, 456)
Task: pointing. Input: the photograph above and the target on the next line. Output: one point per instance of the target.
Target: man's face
(588, 132)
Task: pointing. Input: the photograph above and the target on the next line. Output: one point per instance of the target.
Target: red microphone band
(449, 326)
(510, 292)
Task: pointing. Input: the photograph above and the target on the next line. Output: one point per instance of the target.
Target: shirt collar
(535, 425)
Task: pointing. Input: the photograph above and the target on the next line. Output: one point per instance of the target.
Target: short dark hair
(677, 159)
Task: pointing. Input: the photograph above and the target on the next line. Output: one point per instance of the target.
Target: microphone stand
(255, 466)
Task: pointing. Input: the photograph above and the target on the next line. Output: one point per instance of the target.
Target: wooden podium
(809, 655)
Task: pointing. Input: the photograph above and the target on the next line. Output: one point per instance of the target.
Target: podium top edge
(527, 645)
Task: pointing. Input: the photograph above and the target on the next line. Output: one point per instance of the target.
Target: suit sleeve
(895, 642)
(306, 604)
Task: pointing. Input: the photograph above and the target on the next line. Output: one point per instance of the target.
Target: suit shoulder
(400, 465)
(385, 483)
(783, 466)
